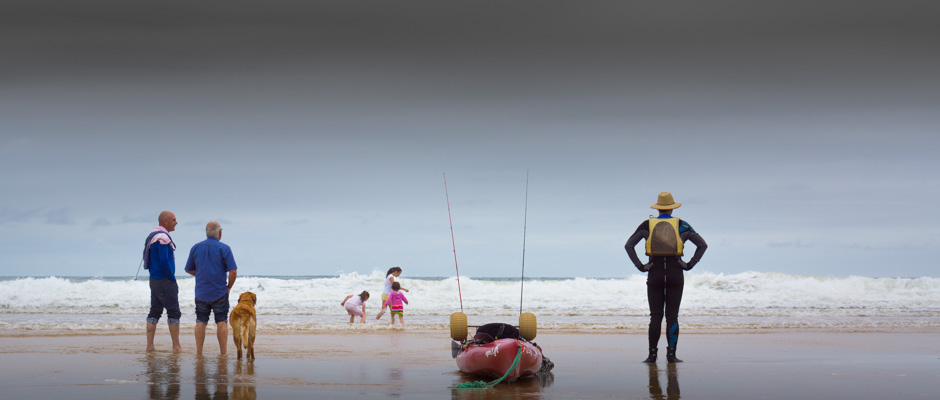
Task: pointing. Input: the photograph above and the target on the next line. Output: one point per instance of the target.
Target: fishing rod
(524, 226)
(138, 268)
(453, 242)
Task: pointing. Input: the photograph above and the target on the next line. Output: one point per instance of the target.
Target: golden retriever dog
(243, 322)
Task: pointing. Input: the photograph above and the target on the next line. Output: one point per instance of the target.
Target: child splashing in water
(356, 306)
(390, 276)
(396, 303)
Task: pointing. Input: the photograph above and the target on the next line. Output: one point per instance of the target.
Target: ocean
(711, 302)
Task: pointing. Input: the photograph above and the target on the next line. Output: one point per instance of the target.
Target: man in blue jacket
(210, 261)
(160, 260)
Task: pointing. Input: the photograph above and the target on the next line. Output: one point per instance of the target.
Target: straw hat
(665, 202)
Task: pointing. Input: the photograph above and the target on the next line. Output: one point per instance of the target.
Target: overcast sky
(800, 136)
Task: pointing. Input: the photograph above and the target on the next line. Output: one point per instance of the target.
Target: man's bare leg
(200, 337)
(222, 334)
(175, 336)
(151, 332)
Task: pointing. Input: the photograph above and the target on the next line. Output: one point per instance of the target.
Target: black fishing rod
(138, 268)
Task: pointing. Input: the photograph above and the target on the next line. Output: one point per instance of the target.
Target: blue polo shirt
(211, 259)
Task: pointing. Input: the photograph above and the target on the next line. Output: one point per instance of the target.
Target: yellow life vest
(664, 237)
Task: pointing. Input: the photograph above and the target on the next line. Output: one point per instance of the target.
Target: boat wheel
(458, 326)
(527, 326)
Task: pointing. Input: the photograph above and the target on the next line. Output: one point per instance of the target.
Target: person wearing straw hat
(665, 237)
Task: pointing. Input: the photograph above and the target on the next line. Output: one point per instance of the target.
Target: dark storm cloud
(567, 80)
(329, 122)
(664, 52)
(354, 70)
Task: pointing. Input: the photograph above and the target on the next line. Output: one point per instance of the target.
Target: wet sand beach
(416, 364)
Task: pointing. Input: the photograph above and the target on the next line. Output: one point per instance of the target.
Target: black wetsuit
(665, 281)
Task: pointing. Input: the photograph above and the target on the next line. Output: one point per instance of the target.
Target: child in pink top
(394, 301)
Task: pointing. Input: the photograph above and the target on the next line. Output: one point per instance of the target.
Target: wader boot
(652, 357)
(671, 355)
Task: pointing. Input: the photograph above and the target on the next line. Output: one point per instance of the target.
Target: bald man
(160, 260)
(210, 261)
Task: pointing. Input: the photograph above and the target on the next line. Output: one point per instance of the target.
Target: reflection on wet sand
(520, 389)
(672, 386)
(396, 381)
(212, 379)
(163, 375)
(211, 375)
(243, 386)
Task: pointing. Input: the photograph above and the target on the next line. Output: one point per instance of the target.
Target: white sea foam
(745, 300)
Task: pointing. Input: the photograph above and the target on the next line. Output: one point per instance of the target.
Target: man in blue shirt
(210, 261)
(160, 260)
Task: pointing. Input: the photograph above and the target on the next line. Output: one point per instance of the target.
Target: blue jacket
(162, 262)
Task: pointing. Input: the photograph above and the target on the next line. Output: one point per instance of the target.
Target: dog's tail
(244, 336)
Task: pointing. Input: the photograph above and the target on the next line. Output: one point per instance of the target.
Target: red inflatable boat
(493, 359)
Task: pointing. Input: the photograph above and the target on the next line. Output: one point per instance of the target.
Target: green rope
(484, 385)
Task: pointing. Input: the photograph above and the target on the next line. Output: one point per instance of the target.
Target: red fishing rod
(525, 220)
(453, 242)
